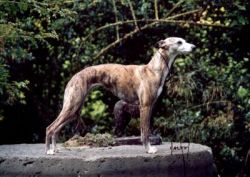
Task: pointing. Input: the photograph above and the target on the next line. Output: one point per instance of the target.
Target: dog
(139, 85)
(122, 112)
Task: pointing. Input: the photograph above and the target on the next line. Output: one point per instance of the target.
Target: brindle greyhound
(136, 84)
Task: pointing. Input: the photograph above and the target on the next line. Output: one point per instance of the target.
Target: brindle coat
(135, 84)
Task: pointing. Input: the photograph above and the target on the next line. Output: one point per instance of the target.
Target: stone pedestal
(172, 159)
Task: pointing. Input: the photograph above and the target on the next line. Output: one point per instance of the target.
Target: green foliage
(4, 78)
(11, 91)
(96, 110)
(206, 100)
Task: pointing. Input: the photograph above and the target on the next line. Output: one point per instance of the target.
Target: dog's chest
(162, 81)
(159, 91)
(164, 75)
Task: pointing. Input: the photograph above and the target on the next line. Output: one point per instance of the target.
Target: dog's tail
(75, 92)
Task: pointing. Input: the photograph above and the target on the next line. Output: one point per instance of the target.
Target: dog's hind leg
(73, 100)
(53, 130)
(65, 116)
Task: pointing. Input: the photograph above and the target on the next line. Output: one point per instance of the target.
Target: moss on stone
(92, 140)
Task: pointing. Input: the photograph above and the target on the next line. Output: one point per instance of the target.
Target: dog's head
(175, 45)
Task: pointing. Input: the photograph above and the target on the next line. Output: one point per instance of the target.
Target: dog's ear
(161, 44)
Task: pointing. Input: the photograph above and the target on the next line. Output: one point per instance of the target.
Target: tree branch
(183, 14)
(104, 50)
(141, 20)
(40, 3)
(175, 6)
(153, 22)
(133, 13)
(116, 20)
(156, 10)
(208, 103)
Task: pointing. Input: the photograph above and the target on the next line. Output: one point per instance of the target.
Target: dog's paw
(152, 150)
(50, 152)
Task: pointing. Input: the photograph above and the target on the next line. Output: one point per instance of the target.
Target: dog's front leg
(145, 114)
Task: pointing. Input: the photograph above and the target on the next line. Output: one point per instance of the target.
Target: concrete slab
(184, 160)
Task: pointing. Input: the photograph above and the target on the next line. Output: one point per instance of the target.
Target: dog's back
(121, 80)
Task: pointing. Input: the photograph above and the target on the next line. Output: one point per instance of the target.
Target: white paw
(152, 150)
(50, 152)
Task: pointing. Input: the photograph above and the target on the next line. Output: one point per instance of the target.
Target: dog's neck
(162, 61)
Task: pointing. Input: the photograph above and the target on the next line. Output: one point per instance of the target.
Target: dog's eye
(179, 42)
